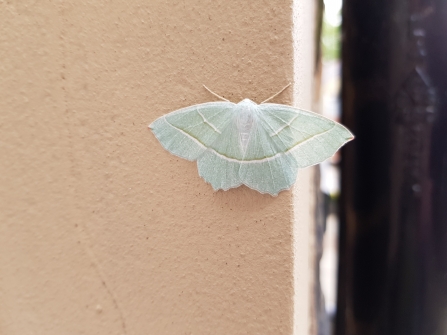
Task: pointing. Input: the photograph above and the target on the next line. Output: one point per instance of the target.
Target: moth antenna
(273, 96)
(216, 95)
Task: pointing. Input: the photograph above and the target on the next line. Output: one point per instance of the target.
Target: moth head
(247, 102)
(245, 111)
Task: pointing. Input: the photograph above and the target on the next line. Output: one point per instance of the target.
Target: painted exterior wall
(104, 232)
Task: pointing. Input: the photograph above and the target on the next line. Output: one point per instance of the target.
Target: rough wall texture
(101, 230)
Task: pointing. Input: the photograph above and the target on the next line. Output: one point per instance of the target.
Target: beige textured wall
(304, 14)
(101, 230)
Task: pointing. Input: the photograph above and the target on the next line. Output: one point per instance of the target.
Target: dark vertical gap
(393, 207)
(364, 210)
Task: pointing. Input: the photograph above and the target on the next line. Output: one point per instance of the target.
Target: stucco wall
(101, 230)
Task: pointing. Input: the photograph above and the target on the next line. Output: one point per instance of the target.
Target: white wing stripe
(262, 160)
(208, 123)
(186, 134)
(283, 127)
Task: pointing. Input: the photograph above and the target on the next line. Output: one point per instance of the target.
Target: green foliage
(330, 41)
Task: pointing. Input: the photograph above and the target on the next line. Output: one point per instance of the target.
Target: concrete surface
(101, 230)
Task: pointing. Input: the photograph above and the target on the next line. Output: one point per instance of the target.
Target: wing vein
(271, 174)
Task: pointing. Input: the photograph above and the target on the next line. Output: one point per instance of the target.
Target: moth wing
(219, 165)
(189, 131)
(309, 137)
(265, 167)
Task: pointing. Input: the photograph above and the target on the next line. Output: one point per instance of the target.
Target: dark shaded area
(393, 207)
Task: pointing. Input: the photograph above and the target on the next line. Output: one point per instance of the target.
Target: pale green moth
(260, 146)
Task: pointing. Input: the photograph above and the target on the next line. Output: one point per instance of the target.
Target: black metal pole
(393, 234)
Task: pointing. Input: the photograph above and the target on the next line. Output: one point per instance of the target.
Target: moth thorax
(244, 125)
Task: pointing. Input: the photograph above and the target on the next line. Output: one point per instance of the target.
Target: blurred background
(383, 267)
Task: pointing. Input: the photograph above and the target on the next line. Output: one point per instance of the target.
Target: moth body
(245, 114)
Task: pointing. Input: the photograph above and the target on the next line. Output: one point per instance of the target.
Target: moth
(260, 146)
